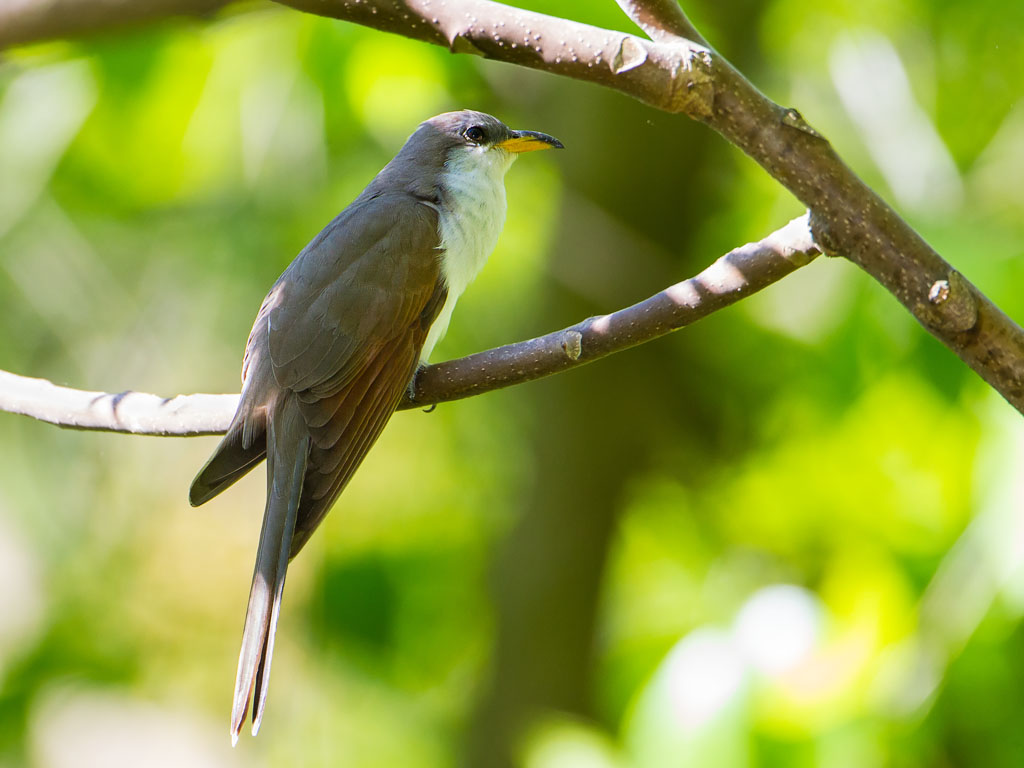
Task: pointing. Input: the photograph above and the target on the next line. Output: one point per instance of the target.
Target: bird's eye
(475, 134)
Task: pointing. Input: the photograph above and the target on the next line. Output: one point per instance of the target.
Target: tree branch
(734, 276)
(662, 20)
(28, 21)
(847, 217)
(136, 413)
(676, 74)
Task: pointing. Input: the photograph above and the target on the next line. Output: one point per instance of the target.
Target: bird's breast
(470, 219)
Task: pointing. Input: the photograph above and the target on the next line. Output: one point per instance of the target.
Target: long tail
(287, 453)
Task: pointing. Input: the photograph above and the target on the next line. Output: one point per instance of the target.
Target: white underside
(469, 224)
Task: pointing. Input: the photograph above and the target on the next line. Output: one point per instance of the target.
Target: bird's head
(465, 142)
(477, 146)
(477, 132)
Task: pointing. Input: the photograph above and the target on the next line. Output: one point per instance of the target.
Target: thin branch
(662, 20)
(133, 412)
(734, 276)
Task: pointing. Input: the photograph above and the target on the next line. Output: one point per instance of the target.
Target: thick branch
(734, 276)
(671, 76)
(27, 21)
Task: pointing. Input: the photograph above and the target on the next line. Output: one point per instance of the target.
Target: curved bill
(529, 141)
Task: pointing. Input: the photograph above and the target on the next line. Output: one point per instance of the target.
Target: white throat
(471, 215)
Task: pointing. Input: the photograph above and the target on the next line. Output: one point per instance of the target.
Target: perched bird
(339, 338)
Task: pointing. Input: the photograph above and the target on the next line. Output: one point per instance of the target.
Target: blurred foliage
(787, 536)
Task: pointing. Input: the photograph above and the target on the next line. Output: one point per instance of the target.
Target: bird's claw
(410, 391)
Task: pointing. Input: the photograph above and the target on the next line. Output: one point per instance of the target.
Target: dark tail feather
(287, 453)
(229, 463)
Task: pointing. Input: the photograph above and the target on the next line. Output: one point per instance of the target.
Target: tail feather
(287, 454)
(231, 460)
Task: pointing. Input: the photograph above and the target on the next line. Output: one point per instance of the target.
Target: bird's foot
(410, 390)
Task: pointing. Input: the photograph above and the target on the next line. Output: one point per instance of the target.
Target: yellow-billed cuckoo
(339, 338)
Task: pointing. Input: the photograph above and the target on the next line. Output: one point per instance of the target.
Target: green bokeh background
(790, 535)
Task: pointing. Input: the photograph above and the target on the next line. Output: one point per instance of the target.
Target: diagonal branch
(662, 20)
(734, 276)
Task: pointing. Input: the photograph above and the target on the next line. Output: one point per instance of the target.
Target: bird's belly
(468, 235)
(439, 328)
(458, 268)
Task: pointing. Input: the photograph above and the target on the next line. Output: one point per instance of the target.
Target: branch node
(795, 242)
(794, 119)
(939, 292)
(631, 54)
(822, 235)
(459, 43)
(951, 305)
(572, 344)
(661, 19)
(693, 84)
